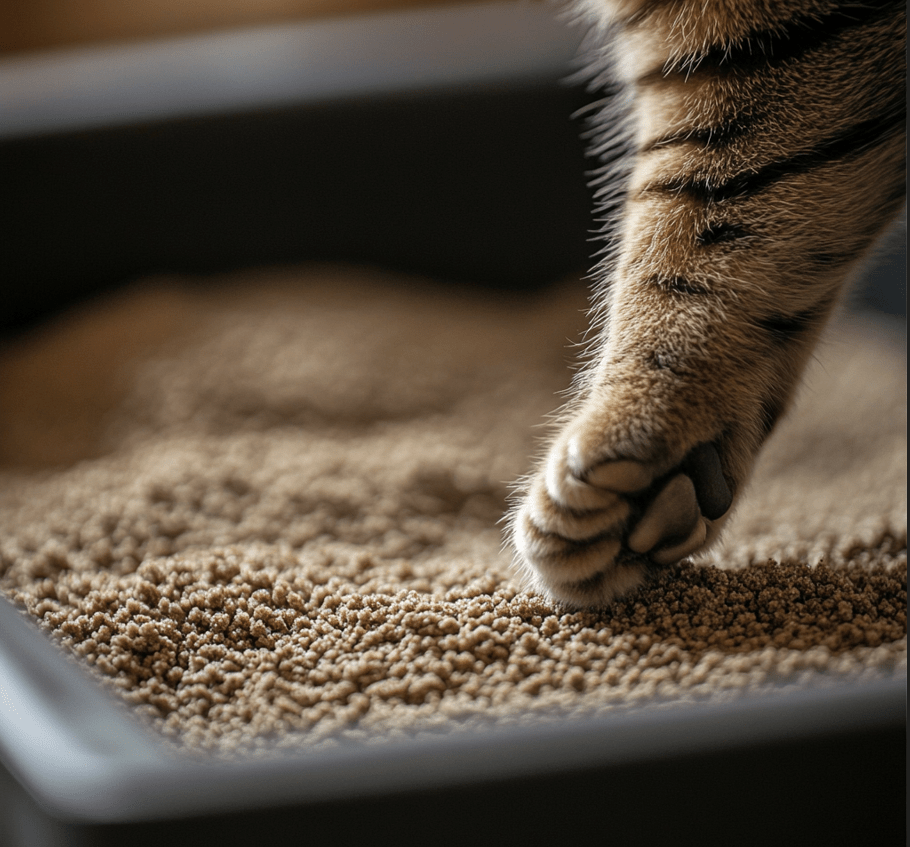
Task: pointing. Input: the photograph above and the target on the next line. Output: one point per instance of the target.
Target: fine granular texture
(267, 512)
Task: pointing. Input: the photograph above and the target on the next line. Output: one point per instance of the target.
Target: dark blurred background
(477, 182)
(485, 186)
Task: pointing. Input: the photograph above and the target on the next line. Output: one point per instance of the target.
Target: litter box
(270, 146)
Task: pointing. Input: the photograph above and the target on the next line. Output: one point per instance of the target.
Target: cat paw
(589, 529)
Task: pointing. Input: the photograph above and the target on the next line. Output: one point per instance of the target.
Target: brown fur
(767, 154)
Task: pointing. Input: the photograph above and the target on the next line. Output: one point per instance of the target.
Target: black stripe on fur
(677, 284)
(858, 138)
(787, 328)
(716, 135)
(721, 234)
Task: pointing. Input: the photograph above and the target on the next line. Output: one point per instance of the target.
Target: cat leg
(765, 166)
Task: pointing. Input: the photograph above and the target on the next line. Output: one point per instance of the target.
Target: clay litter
(266, 512)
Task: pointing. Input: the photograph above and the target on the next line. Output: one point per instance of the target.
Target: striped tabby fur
(754, 150)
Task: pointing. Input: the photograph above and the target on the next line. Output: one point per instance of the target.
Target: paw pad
(669, 520)
(589, 533)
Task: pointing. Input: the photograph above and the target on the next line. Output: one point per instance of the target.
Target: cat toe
(677, 519)
(573, 492)
(670, 517)
(623, 476)
(557, 558)
(670, 553)
(583, 515)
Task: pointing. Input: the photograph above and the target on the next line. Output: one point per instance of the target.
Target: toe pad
(669, 519)
(703, 467)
